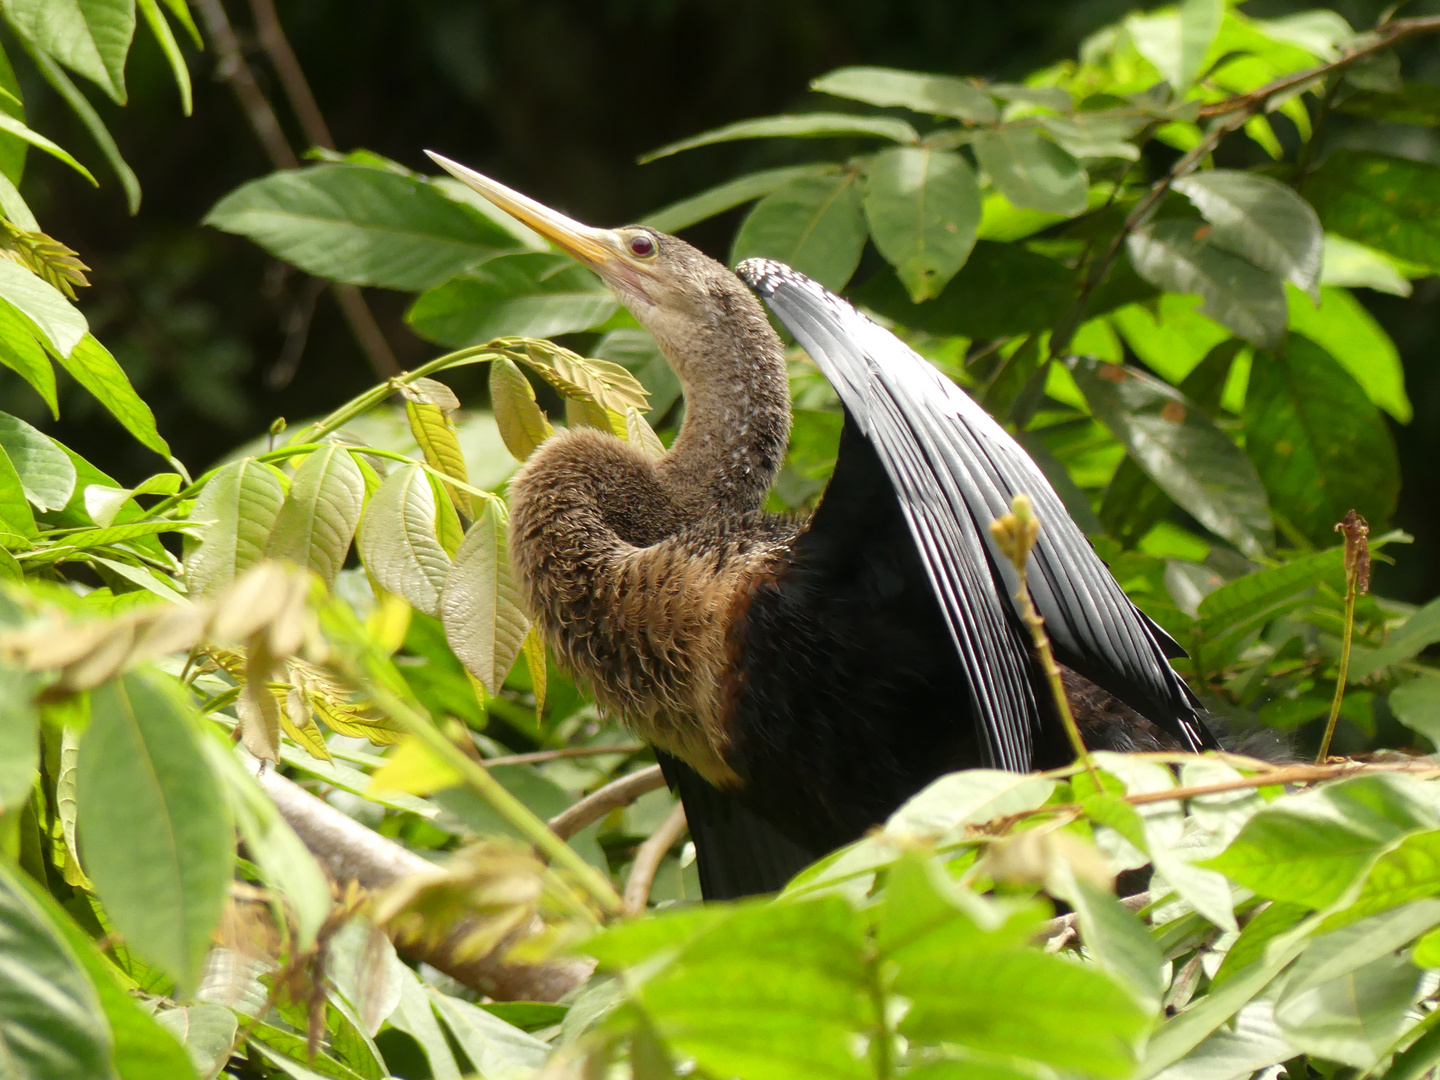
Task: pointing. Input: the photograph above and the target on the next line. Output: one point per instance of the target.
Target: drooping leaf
(1175, 255)
(398, 541)
(1353, 266)
(480, 605)
(241, 502)
(89, 36)
(46, 472)
(1344, 329)
(16, 517)
(923, 207)
(527, 294)
(1002, 289)
(155, 833)
(14, 126)
(1181, 449)
(522, 425)
(816, 125)
(23, 354)
(814, 224)
(58, 320)
(1261, 219)
(171, 48)
(51, 1023)
(606, 384)
(937, 95)
(1031, 170)
(727, 196)
(319, 516)
(1388, 203)
(95, 369)
(1318, 443)
(360, 225)
(1176, 41)
(428, 405)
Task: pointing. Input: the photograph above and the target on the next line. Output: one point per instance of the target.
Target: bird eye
(642, 245)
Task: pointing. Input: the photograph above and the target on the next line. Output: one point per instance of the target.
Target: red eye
(642, 245)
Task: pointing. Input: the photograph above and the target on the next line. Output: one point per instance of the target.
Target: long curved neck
(737, 409)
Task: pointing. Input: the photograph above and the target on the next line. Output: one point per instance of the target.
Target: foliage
(1175, 341)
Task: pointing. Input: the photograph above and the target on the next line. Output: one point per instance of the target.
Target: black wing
(955, 470)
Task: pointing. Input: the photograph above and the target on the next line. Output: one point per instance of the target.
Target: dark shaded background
(557, 98)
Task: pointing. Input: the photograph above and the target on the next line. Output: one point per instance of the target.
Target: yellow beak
(598, 249)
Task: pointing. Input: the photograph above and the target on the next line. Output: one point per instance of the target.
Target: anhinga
(801, 679)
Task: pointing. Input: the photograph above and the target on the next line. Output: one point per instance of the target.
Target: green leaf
(1354, 266)
(814, 224)
(923, 207)
(817, 125)
(1098, 134)
(398, 541)
(1119, 942)
(46, 472)
(415, 1016)
(1003, 289)
(89, 36)
(1181, 449)
(319, 516)
(1170, 335)
(171, 48)
(1031, 171)
(1174, 255)
(240, 503)
(155, 833)
(1310, 848)
(428, 405)
(936, 95)
(13, 126)
(1344, 329)
(1409, 871)
(526, 294)
(23, 354)
(522, 425)
(1414, 103)
(494, 1047)
(1353, 1019)
(51, 1023)
(207, 1032)
(971, 797)
(143, 1049)
(1176, 42)
(1260, 219)
(95, 369)
(1419, 631)
(360, 225)
(19, 739)
(1416, 704)
(480, 604)
(16, 517)
(58, 320)
(1317, 442)
(1387, 203)
(1229, 614)
(727, 196)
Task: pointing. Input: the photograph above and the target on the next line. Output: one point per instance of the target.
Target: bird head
(674, 290)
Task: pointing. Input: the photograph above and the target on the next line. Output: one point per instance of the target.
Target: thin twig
(1062, 927)
(624, 749)
(292, 75)
(647, 861)
(367, 331)
(598, 803)
(233, 70)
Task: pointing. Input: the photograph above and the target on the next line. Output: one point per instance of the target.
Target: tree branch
(647, 861)
(292, 75)
(597, 804)
(352, 852)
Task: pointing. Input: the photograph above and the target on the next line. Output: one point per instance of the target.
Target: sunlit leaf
(240, 502)
(923, 207)
(95, 369)
(937, 95)
(480, 604)
(727, 196)
(23, 354)
(46, 472)
(434, 431)
(1388, 203)
(1349, 333)
(1176, 41)
(1032, 171)
(494, 1047)
(813, 223)
(207, 1032)
(155, 833)
(527, 294)
(522, 425)
(1175, 255)
(805, 125)
(90, 36)
(58, 320)
(360, 225)
(1317, 442)
(398, 539)
(171, 48)
(1353, 266)
(318, 518)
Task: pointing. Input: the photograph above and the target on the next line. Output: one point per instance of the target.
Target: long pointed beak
(598, 249)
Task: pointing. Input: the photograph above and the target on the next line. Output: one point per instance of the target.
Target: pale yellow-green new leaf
(318, 518)
(522, 425)
(399, 542)
(480, 606)
(639, 433)
(428, 405)
(239, 506)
